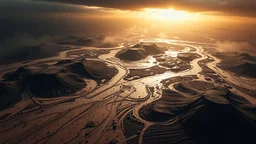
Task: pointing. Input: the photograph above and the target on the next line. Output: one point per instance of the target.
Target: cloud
(231, 7)
(35, 8)
(232, 46)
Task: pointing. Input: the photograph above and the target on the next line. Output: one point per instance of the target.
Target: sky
(38, 19)
(242, 8)
(229, 7)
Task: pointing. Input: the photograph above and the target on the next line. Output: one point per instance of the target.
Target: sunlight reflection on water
(151, 60)
(171, 53)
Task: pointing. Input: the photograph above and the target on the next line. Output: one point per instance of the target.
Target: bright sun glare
(169, 14)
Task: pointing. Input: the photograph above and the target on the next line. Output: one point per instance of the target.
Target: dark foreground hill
(64, 78)
(46, 81)
(200, 112)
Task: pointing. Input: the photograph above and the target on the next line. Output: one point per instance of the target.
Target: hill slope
(139, 52)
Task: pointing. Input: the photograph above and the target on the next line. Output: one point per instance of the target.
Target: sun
(169, 14)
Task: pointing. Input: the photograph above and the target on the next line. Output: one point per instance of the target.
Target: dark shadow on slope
(222, 124)
(10, 93)
(207, 113)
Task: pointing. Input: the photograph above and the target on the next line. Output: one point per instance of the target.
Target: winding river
(95, 117)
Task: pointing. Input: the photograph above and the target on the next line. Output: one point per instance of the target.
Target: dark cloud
(29, 7)
(38, 18)
(231, 7)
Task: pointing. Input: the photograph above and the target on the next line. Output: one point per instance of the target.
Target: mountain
(139, 52)
(150, 49)
(245, 69)
(202, 111)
